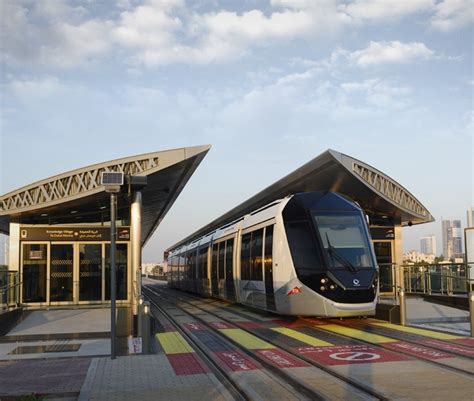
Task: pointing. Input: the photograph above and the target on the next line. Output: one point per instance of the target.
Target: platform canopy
(78, 197)
(382, 198)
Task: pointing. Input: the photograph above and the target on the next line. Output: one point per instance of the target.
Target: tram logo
(356, 282)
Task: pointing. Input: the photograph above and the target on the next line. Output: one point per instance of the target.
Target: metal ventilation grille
(112, 178)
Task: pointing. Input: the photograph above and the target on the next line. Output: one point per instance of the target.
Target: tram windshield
(344, 240)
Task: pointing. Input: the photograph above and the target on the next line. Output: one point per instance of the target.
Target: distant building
(452, 239)
(470, 217)
(417, 257)
(428, 245)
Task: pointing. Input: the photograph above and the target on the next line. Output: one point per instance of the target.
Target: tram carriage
(308, 254)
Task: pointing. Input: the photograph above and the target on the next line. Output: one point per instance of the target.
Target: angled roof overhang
(78, 197)
(378, 194)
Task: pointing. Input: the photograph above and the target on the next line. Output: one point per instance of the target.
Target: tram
(308, 254)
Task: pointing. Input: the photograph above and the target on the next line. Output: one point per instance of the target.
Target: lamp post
(112, 181)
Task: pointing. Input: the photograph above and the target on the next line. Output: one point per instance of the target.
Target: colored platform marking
(173, 343)
(304, 338)
(194, 326)
(236, 361)
(446, 346)
(187, 364)
(281, 359)
(357, 334)
(466, 341)
(220, 325)
(250, 325)
(245, 339)
(349, 354)
(418, 350)
(421, 332)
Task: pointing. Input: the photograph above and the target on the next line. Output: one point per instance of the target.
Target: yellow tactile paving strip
(358, 334)
(173, 343)
(421, 332)
(245, 339)
(304, 338)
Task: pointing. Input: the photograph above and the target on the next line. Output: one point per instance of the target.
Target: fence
(442, 278)
(9, 289)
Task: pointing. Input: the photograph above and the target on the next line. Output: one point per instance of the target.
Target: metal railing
(9, 289)
(443, 279)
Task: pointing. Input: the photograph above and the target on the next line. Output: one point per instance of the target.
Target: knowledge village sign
(72, 233)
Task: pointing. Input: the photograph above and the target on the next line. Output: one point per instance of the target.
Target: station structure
(59, 228)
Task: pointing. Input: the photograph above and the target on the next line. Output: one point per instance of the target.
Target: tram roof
(78, 197)
(379, 195)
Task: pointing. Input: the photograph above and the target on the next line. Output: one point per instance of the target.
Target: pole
(113, 207)
(471, 310)
(403, 306)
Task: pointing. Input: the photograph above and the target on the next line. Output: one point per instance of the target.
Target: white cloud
(390, 52)
(453, 14)
(385, 9)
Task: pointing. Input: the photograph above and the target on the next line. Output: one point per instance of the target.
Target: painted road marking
(354, 356)
(459, 349)
(349, 354)
(421, 332)
(358, 334)
(304, 338)
(418, 350)
(194, 326)
(236, 361)
(173, 343)
(245, 339)
(281, 359)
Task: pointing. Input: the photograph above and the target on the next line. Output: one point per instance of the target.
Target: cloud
(377, 10)
(390, 52)
(452, 14)
(151, 33)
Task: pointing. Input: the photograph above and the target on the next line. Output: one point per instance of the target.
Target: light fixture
(44, 214)
(73, 211)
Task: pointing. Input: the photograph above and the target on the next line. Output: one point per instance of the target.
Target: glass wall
(90, 272)
(61, 270)
(35, 259)
(121, 262)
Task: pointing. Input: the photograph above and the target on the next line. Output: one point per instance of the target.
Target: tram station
(59, 231)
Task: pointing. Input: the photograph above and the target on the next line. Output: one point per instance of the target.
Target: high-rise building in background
(428, 245)
(470, 217)
(452, 239)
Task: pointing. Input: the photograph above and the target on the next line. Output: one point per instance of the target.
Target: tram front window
(344, 240)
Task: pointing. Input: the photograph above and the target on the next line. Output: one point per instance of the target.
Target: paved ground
(79, 368)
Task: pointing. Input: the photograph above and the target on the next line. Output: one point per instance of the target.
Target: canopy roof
(382, 198)
(78, 197)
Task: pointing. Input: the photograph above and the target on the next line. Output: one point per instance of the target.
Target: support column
(398, 256)
(136, 239)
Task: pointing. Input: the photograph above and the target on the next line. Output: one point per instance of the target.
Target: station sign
(84, 233)
(381, 233)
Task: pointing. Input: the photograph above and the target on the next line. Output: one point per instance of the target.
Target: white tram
(307, 254)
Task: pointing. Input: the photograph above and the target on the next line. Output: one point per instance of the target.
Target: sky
(269, 84)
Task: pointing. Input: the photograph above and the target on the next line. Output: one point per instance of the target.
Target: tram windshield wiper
(341, 259)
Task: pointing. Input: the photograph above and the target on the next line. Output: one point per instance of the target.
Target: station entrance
(71, 265)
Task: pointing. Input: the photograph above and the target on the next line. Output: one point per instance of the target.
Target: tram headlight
(323, 288)
(324, 280)
(332, 286)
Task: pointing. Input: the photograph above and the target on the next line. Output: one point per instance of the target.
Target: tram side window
(245, 257)
(192, 265)
(203, 261)
(256, 253)
(221, 260)
(229, 250)
(268, 247)
(215, 253)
